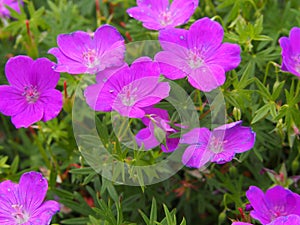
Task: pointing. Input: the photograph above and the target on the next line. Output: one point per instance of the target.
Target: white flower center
(31, 94)
(128, 95)
(20, 215)
(165, 18)
(194, 60)
(216, 144)
(90, 58)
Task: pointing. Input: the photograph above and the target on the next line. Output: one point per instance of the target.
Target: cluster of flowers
(278, 206)
(133, 90)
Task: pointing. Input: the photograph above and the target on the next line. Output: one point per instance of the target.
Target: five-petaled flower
(157, 15)
(198, 54)
(24, 203)
(158, 127)
(79, 53)
(31, 96)
(129, 89)
(276, 202)
(219, 145)
(291, 52)
(14, 4)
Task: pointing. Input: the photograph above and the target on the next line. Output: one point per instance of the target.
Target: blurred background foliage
(257, 92)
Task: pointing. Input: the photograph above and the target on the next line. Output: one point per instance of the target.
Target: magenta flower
(291, 52)
(23, 203)
(219, 146)
(31, 96)
(198, 54)
(157, 15)
(129, 89)
(276, 202)
(79, 53)
(14, 4)
(283, 220)
(157, 122)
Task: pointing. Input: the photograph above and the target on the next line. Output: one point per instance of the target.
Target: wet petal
(199, 136)
(182, 10)
(11, 101)
(44, 213)
(195, 156)
(53, 102)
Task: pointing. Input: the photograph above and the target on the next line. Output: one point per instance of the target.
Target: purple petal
(171, 37)
(223, 157)
(286, 220)
(207, 78)
(241, 223)
(171, 144)
(52, 101)
(43, 214)
(295, 40)
(107, 38)
(155, 112)
(282, 201)
(227, 56)
(75, 44)
(182, 10)
(141, 68)
(30, 115)
(97, 100)
(8, 196)
(32, 190)
(11, 101)
(205, 35)
(42, 75)
(196, 156)
(155, 5)
(257, 200)
(199, 136)
(17, 71)
(66, 64)
(147, 138)
(104, 75)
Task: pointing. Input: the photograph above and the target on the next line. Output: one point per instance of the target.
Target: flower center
(165, 18)
(194, 60)
(90, 58)
(216, 144)
(19, 214)
(128, 95)
(31, 94)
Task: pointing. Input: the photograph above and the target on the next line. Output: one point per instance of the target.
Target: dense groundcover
(150, 112)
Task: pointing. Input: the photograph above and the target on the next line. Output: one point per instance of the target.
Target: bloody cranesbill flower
(276, 202)
(283, 220)
(291, 52)
(158, 127)
(219, 145)
(14, 4)
(198, 54)
(159, 14)
(31, 95)
(129, 89)
(24, 203)
(79, 52)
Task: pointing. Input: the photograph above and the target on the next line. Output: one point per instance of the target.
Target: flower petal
(75, 44)
(11, 101)
(182, 10)
(155, 5)
(171, 144)
(31, 114)
(205, 35)
(223, 157)
(171, 37)
(17, 71)
(32, 190)
(42, 75)
(147, 138)
(295, 40)
(52, 101)
(43, 214)
(207, 78)
(66, 64)
(98, 98)
(227, 56)
(196, 136)
(257, 200)
(8, 196)
(195, 156)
